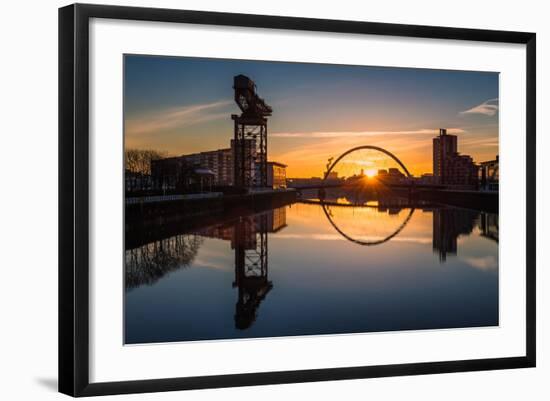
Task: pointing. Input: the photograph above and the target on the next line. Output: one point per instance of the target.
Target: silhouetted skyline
(183, 105)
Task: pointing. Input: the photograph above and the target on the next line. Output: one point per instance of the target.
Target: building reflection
(448, 224)
(251, 262)
(248, 235)
(386, 201)
(249, 240)
(251, 267)
(488, 224)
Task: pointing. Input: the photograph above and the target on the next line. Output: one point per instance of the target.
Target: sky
(182, 105)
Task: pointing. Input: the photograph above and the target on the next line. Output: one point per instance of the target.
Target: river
(313, 268)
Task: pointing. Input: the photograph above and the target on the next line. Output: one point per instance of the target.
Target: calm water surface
(311, 268)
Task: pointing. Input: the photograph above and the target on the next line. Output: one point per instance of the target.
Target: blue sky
(182, 105)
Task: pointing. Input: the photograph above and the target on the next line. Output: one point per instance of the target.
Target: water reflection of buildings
(448, 222)
(488, 224)
(248, 236)
(448, 225)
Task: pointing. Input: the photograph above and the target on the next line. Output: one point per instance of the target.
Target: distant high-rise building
(390, 175)
(276, 175)
(444, 146)
(219, 161)
(174, 171)
(395, 175)
(449, 166)
(489, 175)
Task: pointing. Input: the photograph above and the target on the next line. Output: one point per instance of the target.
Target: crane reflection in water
(363, 223)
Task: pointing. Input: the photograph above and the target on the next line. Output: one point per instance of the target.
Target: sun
(371, 173)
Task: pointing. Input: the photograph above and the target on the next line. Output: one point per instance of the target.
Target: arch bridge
(371, 147)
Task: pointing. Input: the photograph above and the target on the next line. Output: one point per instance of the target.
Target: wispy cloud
(488, 108)
(486, 263)
(355, 134)
(366, 163)
(481, 142)
(211, 264)
(338, 237)
(176, 117)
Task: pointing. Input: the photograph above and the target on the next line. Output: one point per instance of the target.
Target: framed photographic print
(249, 199)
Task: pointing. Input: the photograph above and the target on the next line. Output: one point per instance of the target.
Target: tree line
(139, 160)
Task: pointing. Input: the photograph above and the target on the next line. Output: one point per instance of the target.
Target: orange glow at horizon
(371, 173)
(310, 160)
(307, 156)
(415, 151)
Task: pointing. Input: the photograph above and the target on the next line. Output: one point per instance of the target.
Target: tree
(139, 160)
(138, 167)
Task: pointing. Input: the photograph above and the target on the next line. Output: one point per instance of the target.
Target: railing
(170, 198)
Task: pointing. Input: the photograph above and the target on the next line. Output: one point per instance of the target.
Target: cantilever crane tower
(250, 139)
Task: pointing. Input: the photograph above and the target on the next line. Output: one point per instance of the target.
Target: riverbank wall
(157, 217)
(486, 201)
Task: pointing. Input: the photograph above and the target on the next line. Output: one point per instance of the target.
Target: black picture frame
(74, 198)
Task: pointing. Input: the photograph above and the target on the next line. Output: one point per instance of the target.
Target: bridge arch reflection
(327, 205)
